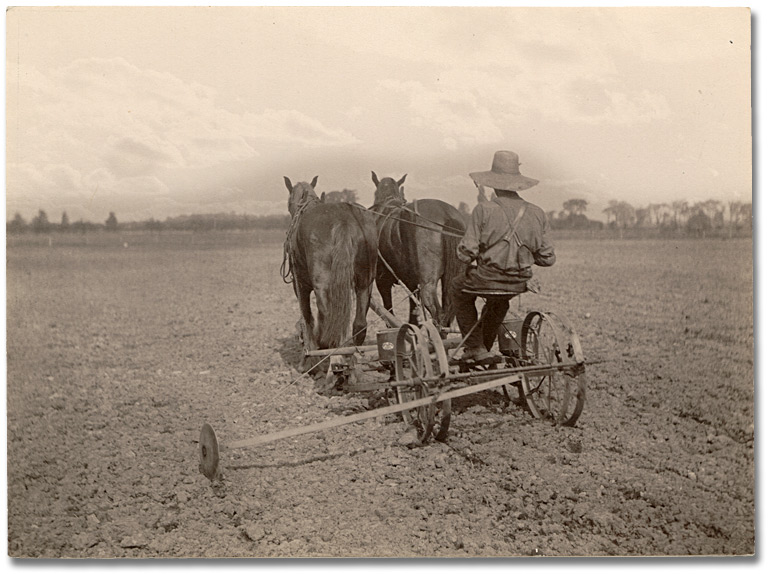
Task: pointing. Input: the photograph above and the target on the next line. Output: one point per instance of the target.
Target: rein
(287, 266)
(397, 203)
(451, 230)
(388, 207)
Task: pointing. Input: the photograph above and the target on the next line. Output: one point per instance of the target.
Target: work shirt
(498, 259)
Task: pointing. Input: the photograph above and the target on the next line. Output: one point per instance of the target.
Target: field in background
(148, 239)
(251, 237)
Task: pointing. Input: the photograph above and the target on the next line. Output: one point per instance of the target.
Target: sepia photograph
(379, 282)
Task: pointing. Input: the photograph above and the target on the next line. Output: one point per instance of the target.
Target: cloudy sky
(157, 112)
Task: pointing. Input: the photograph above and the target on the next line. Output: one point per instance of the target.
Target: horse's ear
(287, 181)
(375, 180)
(312, 183)
(401, 192)
(400, 182)
(323, 197)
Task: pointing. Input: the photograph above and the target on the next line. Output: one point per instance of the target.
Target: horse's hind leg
(308, 333)
(384, 286)
(429, 298)
(447, 307)
(363, 295)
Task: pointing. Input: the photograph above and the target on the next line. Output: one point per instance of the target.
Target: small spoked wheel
(414, 362)
(554, 394)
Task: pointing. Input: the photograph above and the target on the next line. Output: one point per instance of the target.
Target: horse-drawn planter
(539, 360)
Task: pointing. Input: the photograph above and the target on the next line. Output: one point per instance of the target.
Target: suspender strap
(512, 235)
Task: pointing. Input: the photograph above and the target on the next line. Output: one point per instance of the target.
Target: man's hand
(533, 285)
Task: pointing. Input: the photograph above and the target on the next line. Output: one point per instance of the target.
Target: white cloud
(685, 34)
(291, 126)
(132, 156)
(603, 103)
(108, 121)
(63, 177)
(26, 176)
(509, 38)
(450, 143)
(525, 62)
(577, 90)
(472, 107)
(355, 112)
(454, 113)
(139, 187)
(101, 177)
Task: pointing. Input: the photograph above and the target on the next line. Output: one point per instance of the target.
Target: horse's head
(388, 189)
(300, 193)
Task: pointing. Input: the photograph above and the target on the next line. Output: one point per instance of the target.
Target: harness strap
(401, 205)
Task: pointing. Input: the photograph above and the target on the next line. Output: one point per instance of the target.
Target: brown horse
(331, 249)
(418, 241)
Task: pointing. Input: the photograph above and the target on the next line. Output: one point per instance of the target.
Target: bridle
(287, 266)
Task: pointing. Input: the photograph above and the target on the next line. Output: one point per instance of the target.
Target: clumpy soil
(118, 355)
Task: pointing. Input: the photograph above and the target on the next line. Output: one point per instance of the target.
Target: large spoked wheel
(553, 394)
(443, 409)
(413, 361)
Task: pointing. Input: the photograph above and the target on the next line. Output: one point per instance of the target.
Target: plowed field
(118, 354)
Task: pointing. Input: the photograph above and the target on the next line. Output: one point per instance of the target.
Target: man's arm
(545, 255)
(468, 249)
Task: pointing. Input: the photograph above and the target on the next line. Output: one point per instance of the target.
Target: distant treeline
(709, 218)
(197, 223)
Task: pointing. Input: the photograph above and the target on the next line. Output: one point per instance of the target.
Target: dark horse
(331, 249)
(418, 240)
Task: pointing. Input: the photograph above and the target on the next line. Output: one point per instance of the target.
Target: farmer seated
(504, 238)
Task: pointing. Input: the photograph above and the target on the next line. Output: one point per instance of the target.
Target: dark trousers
(496, 307)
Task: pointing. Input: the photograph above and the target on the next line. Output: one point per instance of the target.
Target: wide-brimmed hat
(504, 174)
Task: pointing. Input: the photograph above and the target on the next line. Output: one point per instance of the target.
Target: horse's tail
(452, 268)
(334, 327)
(366, 264)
